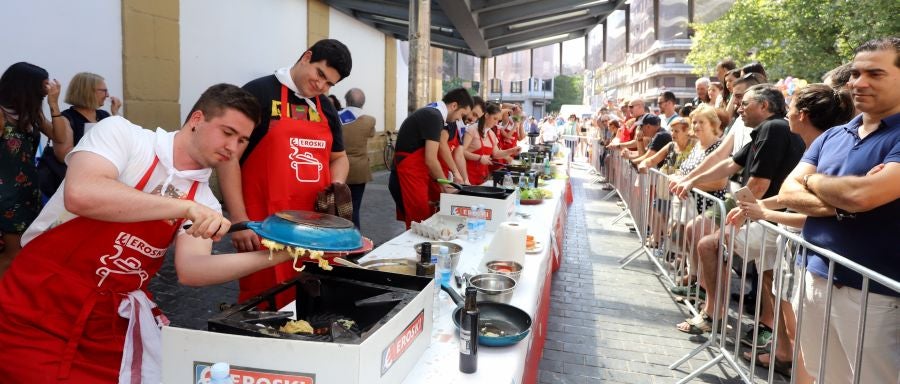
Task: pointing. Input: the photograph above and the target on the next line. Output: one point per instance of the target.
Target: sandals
(698, 325)
(782, 367)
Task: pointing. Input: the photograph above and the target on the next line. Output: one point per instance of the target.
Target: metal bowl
(453, 248)
(403, 266)
(307, 236)
(493, 287)
(508, 268)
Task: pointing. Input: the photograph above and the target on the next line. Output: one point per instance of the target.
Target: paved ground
(612, 325)
(607, 324)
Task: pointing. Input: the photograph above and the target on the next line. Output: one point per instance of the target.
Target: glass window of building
(512, 67)
(545, 64)
(595, 47)
(615, 37)
(573, 56)
(466, 67)
(448, 69)
(641, 25)
(705, 11)
(673, 17)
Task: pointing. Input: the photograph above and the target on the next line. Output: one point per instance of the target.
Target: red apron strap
(146, 178)
(285, 111)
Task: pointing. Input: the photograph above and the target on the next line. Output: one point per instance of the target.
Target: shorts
(760, 241)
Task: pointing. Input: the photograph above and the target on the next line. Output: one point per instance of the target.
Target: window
(515, 87)
(495, 85)
(668, 82)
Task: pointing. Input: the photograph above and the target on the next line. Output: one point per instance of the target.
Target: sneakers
(763, 338)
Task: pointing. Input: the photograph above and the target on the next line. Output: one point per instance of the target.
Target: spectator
(23, 87)
(715, 94)
(357, 128)
(723, 67)
(86, 93)
(417, 165)
(764, 164)
(296, 153)
(754, 67)
(702, 88)
(667, 103)
(659, 138)
(814, 109)
(847, 186)
(335, 102)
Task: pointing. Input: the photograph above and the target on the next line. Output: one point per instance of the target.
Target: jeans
(356, 193)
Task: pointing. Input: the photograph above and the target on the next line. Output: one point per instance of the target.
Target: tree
(566, 90)
(800, 38)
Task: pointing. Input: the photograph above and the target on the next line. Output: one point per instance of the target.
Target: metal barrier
(670, 235)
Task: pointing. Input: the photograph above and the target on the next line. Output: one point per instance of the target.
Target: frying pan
(478, 191)
(311, 230)
(518, 167)
(512, 323)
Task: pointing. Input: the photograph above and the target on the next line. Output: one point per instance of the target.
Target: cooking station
(375, 327)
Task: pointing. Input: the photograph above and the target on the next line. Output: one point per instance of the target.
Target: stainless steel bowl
(508, 268)
(493, 287)
(455, 250)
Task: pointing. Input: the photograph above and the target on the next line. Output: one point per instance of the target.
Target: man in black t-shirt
(650, 127)
(416, 164)
(293, 154)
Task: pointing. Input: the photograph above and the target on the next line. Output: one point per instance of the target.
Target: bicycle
(388, 153)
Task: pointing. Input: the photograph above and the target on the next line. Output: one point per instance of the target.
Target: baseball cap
(648, 119)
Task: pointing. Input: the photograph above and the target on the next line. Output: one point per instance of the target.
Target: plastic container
(472, 225)
(444, 265)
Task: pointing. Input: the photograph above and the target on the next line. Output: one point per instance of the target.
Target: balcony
(521, 90)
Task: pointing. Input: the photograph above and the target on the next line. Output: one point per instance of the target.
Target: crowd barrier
(670, 231)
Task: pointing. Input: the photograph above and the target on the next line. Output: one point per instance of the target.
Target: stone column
(419, 52)
(151, 63)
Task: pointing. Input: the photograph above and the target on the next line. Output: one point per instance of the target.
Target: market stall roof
(486, 28)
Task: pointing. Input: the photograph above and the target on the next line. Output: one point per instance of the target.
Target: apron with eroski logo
(285, 171)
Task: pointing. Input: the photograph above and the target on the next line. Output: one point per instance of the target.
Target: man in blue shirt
(847, 184)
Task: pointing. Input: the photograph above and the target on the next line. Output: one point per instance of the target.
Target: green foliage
(566, 90)
(800, 38)
(457, 82)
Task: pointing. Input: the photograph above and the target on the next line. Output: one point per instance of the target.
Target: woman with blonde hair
(87, 92)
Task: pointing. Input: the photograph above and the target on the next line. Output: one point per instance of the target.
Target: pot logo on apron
(307, 168)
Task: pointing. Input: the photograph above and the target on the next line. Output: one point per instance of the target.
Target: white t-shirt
(132, 150)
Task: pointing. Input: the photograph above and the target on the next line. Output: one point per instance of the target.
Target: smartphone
(744, 195)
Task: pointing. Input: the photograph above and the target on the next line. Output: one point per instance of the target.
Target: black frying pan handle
(234, 227)
(450, 183)
(453, 295)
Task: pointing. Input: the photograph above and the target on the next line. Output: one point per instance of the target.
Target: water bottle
(220, 373)
(508, 182)
(481, 217)
(444, 265)
(472, 224)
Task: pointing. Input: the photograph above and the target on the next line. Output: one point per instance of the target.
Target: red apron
(416, 187)
(452, 143)
(497, 163)
(286, 170)
(478, 172)
(59, 299)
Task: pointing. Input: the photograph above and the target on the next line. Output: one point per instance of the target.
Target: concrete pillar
(485, 81)
(390, 84)
(151, 63)
(419, 52)
(316, 21)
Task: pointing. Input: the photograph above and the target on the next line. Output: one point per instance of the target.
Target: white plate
(538, 248)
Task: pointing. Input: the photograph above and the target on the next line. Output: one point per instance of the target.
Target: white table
(440, 362)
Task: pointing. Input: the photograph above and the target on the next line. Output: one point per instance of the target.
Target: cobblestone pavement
(612, 325)
(191, 307)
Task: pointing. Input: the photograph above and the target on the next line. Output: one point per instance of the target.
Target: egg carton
(440, 227)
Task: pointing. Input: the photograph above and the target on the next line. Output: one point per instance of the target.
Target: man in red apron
(73, 305)
(452, 161)
(295, 152)
(416, 165)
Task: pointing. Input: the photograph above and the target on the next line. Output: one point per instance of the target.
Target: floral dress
(693, 160)
(20, 199)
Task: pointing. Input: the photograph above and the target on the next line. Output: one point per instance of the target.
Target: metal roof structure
(486, 28)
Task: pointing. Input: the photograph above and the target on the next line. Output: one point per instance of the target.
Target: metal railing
(670, 230)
